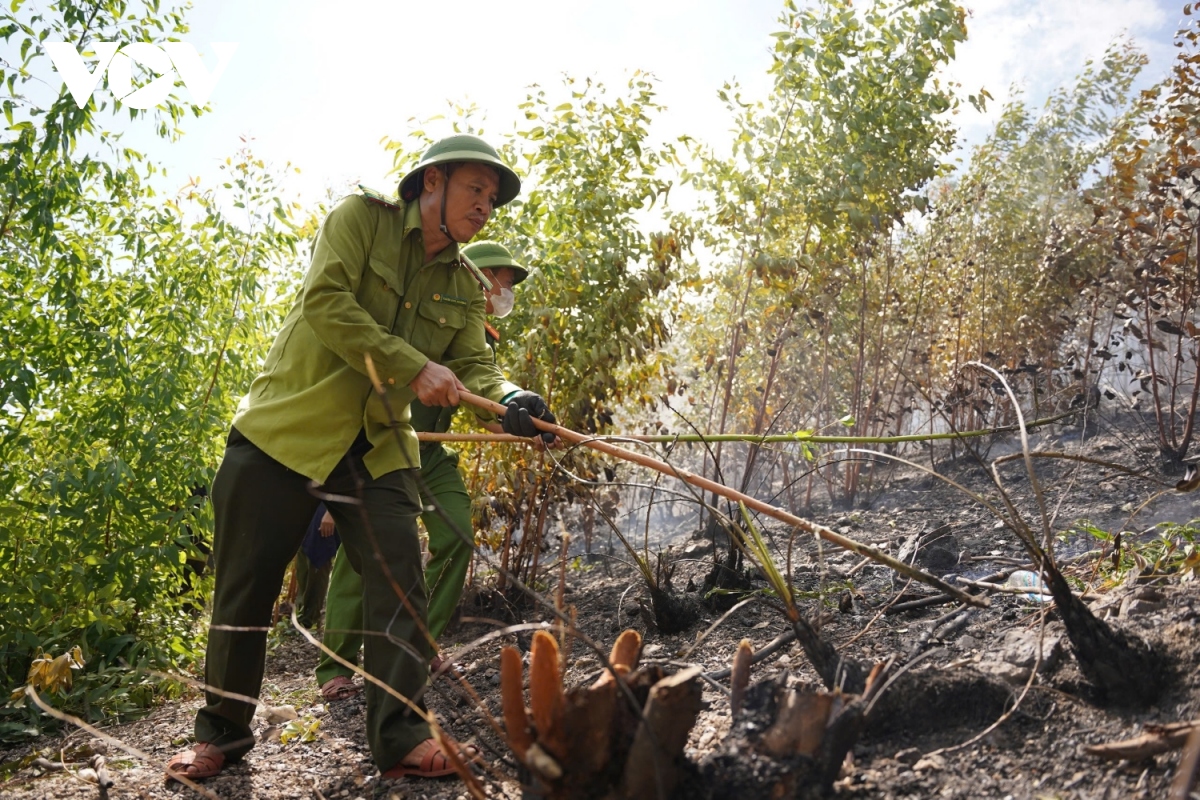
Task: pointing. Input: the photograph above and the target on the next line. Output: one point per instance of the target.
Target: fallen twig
(1156, 739)
(112, 740)
(924, 602)
(777, 644)
(947, 625)
(1006, 589)
(701, 637)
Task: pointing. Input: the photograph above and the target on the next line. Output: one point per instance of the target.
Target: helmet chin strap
(445, 189)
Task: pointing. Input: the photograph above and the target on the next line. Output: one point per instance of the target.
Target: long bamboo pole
(428, 436)
(669, 438)
(750, 502)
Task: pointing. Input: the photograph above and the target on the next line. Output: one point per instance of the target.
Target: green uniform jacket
(367, 291)
(436, 419)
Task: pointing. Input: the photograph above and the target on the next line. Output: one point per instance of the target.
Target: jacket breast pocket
(377, 294)
(437, 326)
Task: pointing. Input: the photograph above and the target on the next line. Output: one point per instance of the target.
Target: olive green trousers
(448, 523)
(262, 510)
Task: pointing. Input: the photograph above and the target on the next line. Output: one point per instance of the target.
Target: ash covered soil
(925, 749)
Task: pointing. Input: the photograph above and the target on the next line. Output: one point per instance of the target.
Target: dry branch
(700, 438)
(113, 741)
(774, 646)
(1156, 739)
(1006, 589)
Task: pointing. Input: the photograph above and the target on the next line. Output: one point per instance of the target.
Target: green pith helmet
(462, 147)
(493, 255)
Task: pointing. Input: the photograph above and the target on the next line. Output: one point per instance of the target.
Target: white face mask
(502, 303)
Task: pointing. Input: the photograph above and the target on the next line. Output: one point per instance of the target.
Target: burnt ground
(922, 743)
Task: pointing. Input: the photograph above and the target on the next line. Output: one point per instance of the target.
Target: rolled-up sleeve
(330, 304)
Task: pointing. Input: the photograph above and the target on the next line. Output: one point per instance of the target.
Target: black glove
(523, 408)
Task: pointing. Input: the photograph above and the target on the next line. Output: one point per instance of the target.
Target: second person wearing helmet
(447, 519)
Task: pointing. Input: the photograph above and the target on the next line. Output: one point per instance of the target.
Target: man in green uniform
(448, 522)
(386, 282)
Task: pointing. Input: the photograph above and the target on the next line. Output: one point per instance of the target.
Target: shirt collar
(412, 228)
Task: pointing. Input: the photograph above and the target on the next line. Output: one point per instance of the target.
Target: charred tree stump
(652, 769)
(727, 580)
(836, 671)
(1119, 664)
(673, 613)
(591, 742)
(785, 743)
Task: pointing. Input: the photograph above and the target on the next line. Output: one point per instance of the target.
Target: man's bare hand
(436, 385)
(327, 526)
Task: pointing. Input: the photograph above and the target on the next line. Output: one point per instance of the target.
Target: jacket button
(437, 297)
(387, 288)
(408, 305)
(441, 320)
(391, 381)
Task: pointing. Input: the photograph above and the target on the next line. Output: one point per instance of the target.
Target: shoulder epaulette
(382, 198)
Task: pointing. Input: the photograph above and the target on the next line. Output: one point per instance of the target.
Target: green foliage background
(131, 326)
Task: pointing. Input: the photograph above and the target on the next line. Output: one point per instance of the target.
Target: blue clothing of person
(319, 549)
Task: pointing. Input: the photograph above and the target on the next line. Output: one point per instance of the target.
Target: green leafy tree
(588, 332)
(133, 322)
(821, 172)
(590, 328)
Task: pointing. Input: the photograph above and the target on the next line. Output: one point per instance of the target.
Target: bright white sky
(319, 84)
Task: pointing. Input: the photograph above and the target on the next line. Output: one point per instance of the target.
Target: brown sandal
(205, 758)
(339, 688)
(434, 764)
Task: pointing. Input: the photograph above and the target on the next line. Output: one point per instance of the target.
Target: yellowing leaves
(304, 729)
(1189, 568)
(52, 674)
